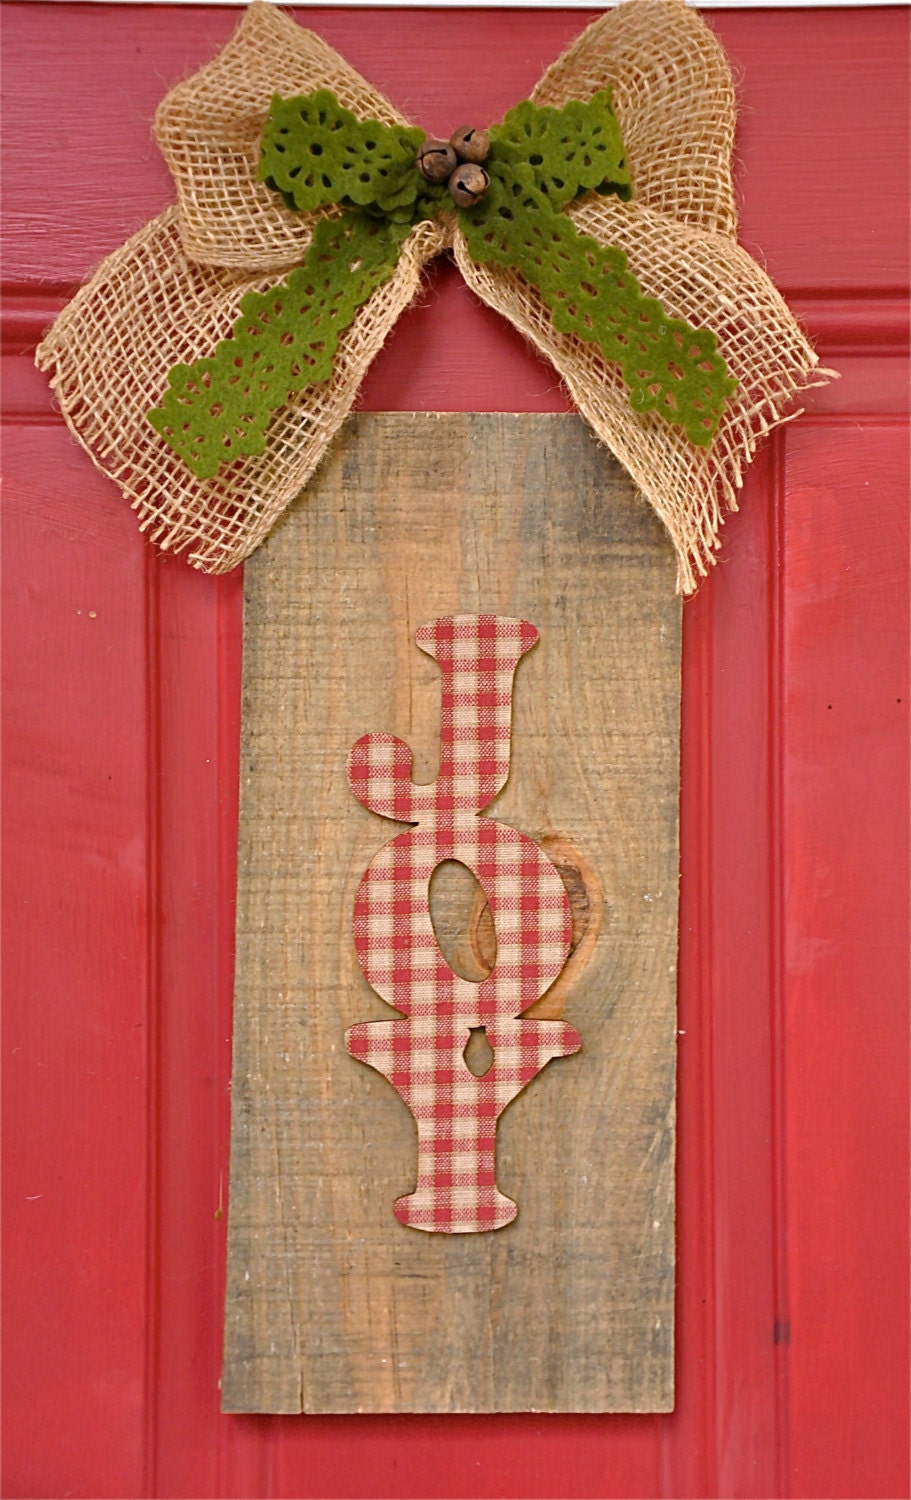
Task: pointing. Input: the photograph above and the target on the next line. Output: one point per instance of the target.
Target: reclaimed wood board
(332, 1306)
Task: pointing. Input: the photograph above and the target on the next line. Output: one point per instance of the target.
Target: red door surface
(121, 721)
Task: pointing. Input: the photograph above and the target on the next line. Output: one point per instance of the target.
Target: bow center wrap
(208, 364)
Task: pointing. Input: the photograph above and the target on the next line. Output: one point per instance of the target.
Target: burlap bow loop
(210, 128)
(173, 293)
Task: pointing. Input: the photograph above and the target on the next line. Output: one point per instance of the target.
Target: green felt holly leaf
(315, 153)
(219, 409)
(668, 366)
(570, 151)
(318, 155)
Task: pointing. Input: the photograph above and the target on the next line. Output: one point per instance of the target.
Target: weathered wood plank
(332, 1305)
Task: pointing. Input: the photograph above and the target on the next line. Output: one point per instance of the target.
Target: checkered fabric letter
(423, 1056)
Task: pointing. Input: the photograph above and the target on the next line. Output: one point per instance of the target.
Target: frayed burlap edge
(710, 280)
(160, 309)
(174, 291)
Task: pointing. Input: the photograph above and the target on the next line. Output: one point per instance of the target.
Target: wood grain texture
(332, 1305)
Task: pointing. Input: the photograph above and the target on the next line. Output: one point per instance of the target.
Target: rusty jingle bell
(437, 161)
(457, 162)
(468, 184)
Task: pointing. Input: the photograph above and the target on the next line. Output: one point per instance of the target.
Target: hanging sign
(343, 1293)
(453, 1099)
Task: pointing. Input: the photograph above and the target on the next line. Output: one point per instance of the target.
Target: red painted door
(121, 716)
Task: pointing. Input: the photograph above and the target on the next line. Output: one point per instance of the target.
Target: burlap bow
(174, 291)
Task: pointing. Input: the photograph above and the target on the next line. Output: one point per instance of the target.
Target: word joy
(423, 1055)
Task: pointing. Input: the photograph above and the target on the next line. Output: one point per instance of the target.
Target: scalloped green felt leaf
(219, 409)
(668, 366)
(572, 150)
(315, 153)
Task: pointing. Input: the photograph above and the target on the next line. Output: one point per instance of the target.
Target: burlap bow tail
(210, 403)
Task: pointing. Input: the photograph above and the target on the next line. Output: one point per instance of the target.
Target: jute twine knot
(173, 292)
